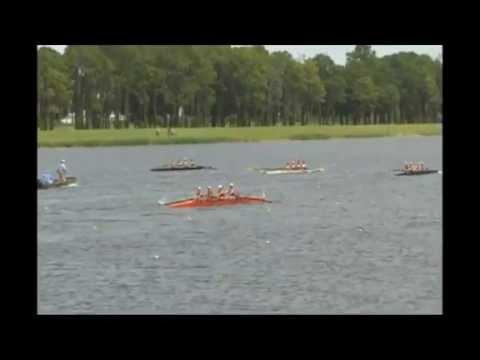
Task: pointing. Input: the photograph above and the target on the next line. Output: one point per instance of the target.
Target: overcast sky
(337, 52)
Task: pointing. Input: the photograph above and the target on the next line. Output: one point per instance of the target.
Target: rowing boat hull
(183, 169)
(416, 173)
(286, 171)
(69, 181)
(194, 203)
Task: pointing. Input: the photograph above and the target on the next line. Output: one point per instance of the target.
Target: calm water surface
(352, 240)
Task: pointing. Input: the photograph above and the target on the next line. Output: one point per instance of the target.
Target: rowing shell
(424, 172)
(196, 203)
(290, 171)
(165, 168)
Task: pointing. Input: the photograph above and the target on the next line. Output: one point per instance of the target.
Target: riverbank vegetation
(110, 137)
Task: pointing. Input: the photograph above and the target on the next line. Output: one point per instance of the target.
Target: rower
(304, 165)
(405, 165)
(198, 193)
(209, 192)
(62, 171)
(231, 190)
(220, 192)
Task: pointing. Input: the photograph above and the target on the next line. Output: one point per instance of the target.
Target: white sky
(336, 52)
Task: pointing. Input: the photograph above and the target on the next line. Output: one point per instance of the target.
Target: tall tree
(54, 88)
(163, 85)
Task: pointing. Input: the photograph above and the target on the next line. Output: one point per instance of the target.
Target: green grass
(67, 137)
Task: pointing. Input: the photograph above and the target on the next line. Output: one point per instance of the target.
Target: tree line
(201, 86)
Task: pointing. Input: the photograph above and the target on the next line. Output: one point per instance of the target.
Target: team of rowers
(296, 165)
(183, 163)
(410, 166)
(221, 193)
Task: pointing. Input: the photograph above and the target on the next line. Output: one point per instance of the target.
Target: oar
(264, 195)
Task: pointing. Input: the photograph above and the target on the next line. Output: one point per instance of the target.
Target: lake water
(352, 240)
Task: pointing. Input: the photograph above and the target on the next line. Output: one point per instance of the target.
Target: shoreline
(67, 137)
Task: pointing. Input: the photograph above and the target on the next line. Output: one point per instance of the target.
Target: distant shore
(67, 137)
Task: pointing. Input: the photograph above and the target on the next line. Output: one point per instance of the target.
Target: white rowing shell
(281, 172)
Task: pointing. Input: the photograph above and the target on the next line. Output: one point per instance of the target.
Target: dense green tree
(54, 88)
(186, 86)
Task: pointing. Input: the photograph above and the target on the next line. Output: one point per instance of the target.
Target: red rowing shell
(193, 203)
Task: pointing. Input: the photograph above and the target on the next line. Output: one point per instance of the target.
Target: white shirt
(62, 168)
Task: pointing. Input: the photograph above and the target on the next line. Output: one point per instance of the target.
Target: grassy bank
(68, 137)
